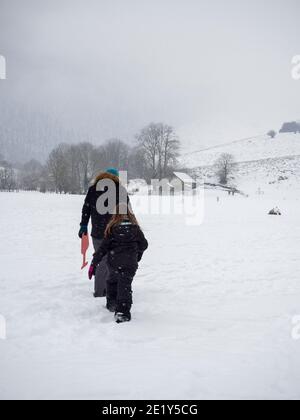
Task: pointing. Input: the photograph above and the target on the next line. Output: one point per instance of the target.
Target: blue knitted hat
(113, 171)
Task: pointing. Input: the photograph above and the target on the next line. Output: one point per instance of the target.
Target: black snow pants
(102, 272)
(119, 287)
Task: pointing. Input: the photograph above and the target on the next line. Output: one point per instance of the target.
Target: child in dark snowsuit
(124, 244)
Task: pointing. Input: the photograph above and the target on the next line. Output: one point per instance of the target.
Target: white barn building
(182, 182)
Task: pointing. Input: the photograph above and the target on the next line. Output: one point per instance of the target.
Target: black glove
(83, 231)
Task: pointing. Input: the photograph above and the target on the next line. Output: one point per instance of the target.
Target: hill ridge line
(224, 144)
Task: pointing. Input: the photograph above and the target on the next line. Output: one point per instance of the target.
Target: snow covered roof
(184, 177)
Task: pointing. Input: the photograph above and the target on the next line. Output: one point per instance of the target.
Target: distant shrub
(290, 127)
(272, 134)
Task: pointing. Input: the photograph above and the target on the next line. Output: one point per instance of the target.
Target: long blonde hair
(123, 212)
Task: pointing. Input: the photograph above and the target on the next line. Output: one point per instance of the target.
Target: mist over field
(92, 70)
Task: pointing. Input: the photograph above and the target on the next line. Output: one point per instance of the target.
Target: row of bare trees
(8, 180)
(155, 154)
(71, 167)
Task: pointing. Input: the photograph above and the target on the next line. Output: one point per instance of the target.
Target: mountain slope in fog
(252, 149)
(262, 164)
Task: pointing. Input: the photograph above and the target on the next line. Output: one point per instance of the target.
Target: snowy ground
(212, 315)
(262, 147)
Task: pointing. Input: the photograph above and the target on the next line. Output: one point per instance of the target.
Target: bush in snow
(275, 212)
(290, 127)
(272, 134)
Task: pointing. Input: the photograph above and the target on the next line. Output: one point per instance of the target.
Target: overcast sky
(217, 70)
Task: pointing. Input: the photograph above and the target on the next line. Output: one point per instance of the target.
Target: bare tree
(116, 153)
(99, 161)
(225, 165)
(160, 146)
(148, 140)
(7, 178)
(170, 147)
(31, 175)
(85, 155)
(58, 168)
(137, 166)
(76, 186)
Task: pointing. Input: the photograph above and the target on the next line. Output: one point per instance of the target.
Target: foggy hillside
(262, 164)
(256, 148)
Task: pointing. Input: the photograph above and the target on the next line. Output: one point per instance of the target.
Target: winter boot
(121, 317)
(122, 313)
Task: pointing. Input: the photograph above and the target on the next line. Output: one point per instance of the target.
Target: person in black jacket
(124, 246)
(101, 200)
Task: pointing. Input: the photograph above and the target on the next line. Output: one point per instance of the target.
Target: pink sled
(85, 243)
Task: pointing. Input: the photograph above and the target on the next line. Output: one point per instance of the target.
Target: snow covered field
(212, 316)
(262, 147)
